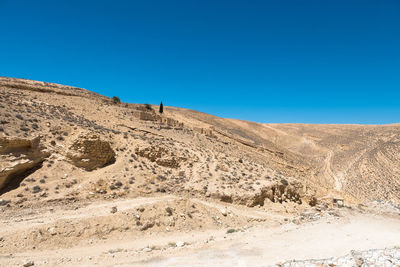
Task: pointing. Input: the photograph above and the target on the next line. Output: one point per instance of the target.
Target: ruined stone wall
(161, 156)
(91, 153)
(152, 116)
(205, 131)
(170, 122)
(145, 116)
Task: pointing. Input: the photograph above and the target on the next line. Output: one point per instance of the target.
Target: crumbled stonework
(161, 156)
(90, 153)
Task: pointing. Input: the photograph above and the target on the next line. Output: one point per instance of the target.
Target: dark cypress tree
(161, 108)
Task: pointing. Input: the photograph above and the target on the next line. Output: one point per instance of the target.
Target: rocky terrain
(373, 257)
(88, 176)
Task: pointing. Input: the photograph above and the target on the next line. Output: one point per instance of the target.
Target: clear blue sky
(322, 61)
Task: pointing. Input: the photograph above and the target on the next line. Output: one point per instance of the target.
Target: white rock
(180, 244)
(224, 212)
(146, 249)
(52, 231)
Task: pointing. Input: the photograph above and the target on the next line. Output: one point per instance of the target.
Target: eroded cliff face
(19, 157)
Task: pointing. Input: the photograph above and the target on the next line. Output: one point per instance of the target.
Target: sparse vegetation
(148, 106)
(116, 100)
(230, 231)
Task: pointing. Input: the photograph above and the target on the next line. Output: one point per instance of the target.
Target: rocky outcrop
(19, 157)
(90, 153)
(45, 87)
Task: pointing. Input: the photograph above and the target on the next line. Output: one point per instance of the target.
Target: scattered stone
(339, 202)
(284, 182)
(115, 250)
(4, 202)
(180, 244)
(146, 249)
(114, 209)
(313, 201)
(52, 231)
(28, 263)
(147, 226)
(224, 212)
(374, 257)
(36, 189)
(169, 211)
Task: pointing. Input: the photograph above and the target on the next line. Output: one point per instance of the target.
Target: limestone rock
(224, 212)
(18, 157)
(180, 244)
(146, 249)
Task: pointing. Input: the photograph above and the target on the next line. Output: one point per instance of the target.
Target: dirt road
(265, 247)
(261, 245)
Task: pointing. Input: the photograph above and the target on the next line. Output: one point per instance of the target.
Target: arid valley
(88, 180)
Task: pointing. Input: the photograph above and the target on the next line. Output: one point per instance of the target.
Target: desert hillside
(79, 169)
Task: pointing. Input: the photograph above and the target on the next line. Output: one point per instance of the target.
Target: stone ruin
(90, 153)
(152, 116)
(205, 131)
(160, 156)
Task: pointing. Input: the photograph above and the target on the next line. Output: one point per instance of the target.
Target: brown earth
(79, 170)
